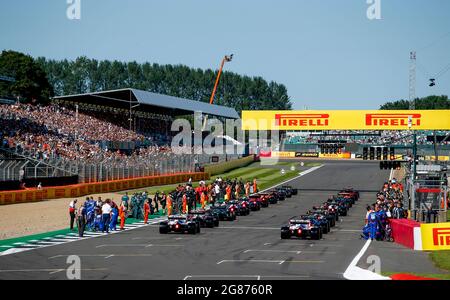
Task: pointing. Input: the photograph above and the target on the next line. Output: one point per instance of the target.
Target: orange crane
(224, 60)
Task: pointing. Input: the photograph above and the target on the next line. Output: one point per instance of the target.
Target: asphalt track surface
(249, 248)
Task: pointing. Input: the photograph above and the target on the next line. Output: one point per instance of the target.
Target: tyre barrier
(84, 189)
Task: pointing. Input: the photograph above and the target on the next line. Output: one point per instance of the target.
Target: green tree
(31, 82)
(240, 92)
(427, 103)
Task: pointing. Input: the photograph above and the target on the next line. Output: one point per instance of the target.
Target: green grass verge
(441, 259)
(266, 176)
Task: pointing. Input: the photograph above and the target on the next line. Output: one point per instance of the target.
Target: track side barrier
(79, 190)
(403, 231)
(221, 168)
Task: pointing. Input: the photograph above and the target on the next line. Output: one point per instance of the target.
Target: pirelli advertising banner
(347, 120)
(435, 236)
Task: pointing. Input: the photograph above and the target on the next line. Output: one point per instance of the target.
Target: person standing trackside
(72, 210)
(122, 215)
(81, 219)
(255, 186)
(146, 210)
(106, 215)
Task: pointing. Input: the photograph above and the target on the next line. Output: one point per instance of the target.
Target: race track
(249, 248)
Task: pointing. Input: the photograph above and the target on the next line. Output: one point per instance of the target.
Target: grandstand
(96, 137)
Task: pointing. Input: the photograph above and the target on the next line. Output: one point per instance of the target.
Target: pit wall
(80, 190)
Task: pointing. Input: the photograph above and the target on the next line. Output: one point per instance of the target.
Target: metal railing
(28, 164)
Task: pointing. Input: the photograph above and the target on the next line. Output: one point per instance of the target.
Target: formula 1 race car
(241, 207)
(331, 217)
(272, 197)
(318, 220)
(341, 207)
(301, 228)
(352, 192)
(179, 224)
(206, 218)
(264, 202)
(287, 192)
(331, 209)
(253, 204)
(293, 191)
(224, 212)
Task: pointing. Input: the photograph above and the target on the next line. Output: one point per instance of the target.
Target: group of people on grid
(186, 197)
(389, 205)
(105, 216)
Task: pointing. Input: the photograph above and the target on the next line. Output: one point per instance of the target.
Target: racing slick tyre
(163, 230)
(315, 236)
(285, 235)
(198, 228)
(216, 223)
(192, 230)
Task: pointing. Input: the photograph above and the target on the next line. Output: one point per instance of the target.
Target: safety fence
(79, 190)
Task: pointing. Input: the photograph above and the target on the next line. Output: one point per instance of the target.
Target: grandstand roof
(147, 101)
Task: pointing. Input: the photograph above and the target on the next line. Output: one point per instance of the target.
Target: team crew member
(184, 204)
(81, 220)
(247, 189)
(106, 216)
(228, 193)
(125, 199)
(203, 200)
(255, 186)
(72, 210)
(122, 214)
(372, 222)
(169, 205)
(146, 211)
(114, 217)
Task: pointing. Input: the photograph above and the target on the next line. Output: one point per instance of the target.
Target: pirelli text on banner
(347, 120)
(435, 236)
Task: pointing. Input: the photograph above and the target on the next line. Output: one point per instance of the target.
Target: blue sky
(327, 52)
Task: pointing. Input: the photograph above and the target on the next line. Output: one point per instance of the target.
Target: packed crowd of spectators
(55, 132)
(386, 137)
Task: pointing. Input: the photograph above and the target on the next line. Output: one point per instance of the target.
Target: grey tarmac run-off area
(249, 248)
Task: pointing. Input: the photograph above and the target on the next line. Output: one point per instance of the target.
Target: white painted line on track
(248, 227)
(297, 177)
(250, 261)
(273, 251)
(70, 237)
(354, 272)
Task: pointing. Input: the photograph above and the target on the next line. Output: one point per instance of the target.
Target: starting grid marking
(68, 238)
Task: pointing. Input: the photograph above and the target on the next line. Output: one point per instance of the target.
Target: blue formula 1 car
(303, 228)
(179, 224)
